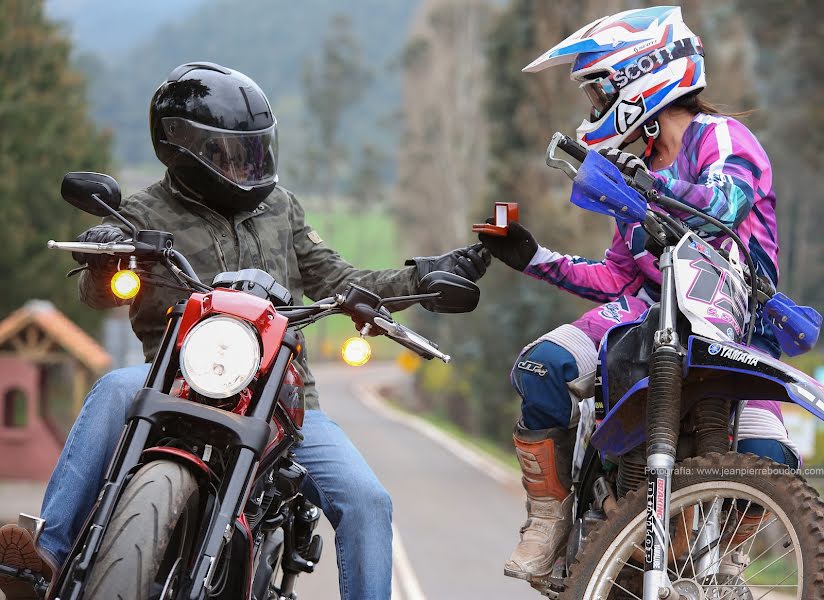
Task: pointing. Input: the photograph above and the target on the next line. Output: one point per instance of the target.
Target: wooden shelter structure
(47, 364)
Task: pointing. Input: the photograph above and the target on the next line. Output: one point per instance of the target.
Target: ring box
(505, 213)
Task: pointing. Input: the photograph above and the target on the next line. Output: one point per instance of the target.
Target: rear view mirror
(457, 295)
(94, 193)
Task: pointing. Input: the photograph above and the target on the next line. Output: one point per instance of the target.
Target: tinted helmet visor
(245, 158)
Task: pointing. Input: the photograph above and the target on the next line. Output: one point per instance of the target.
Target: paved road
(457, 525)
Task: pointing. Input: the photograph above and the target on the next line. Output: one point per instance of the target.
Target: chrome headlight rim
(253, 365)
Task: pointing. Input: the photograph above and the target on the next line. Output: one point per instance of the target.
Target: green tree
(334, 81)
(519, 113)
(45, 133)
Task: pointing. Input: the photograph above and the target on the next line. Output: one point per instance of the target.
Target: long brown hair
(694, 104)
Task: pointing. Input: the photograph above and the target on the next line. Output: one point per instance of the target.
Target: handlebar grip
(573, 148)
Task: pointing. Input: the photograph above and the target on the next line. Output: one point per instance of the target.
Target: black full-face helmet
(214, 129)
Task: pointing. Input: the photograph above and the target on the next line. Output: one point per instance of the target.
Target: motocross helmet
(631, 66)
(214, 129)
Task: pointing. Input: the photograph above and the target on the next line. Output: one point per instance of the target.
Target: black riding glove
(99, 234)
(515, 249)
(469, 262)
(627, 163)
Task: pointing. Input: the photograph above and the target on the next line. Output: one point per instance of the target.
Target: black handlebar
(573, 148)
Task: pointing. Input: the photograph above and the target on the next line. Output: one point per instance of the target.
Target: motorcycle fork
(126, 456)
(231, 496)
(663, 420)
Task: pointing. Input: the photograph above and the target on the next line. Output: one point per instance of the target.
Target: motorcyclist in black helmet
(214, 130)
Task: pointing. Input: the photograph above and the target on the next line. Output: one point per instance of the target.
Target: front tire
(155, 518)
(607, 570)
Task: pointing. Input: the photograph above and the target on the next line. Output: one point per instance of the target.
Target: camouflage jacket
(273, 237)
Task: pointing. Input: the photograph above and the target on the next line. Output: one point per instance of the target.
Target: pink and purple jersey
(722, 171)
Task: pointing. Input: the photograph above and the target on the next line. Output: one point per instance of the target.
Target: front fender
(745, 373)
(711, 370)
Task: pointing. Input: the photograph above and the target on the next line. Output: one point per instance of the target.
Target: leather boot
(17, 549)
(546, 464)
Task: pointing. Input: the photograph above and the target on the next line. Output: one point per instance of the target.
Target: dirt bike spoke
(622, 588)
(675, 560)
(714, 582)
(768, 549)
(690, 548)
(777, 585)
(755, 535)
(737, 526)
(739, 544)
(631, 566)
(769, 565)
(703, 517)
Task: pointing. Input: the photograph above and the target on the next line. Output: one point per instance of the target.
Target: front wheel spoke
(690, 548)
(777, 585)
(708, 547)
(739, 544)
(738, 524)
(778, 541)
(762, 569)
(755, 535)
(631, 566)
(622, 588)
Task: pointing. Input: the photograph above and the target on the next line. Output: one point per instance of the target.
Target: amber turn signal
(125, 284)
(356, 351)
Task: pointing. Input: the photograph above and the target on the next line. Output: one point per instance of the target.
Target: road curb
(371, 398)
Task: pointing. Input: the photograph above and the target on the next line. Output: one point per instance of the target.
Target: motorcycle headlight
(220, 356)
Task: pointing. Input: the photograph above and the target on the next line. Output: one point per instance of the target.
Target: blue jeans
(339, 482)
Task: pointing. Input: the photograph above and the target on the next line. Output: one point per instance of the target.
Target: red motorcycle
(207, 441)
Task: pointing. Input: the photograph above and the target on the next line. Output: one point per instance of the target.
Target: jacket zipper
(219, 250)
(254, 233)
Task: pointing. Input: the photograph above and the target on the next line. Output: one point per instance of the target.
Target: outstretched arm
(601, 281)
(324, 272)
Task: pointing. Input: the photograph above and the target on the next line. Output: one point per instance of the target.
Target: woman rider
(643, 71)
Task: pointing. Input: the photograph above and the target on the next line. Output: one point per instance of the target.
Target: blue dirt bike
(663, 508)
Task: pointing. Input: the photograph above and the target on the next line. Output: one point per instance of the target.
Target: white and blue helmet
(631, 66)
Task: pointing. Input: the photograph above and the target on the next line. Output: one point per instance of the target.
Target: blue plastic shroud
(796, 327)
(600, 187)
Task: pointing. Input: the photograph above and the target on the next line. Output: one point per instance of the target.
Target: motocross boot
(545, 457)
(17, 549)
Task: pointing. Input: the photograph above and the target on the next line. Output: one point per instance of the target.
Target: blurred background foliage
(401, 122)
(45, 131)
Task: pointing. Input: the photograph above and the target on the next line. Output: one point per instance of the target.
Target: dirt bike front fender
(711, 370)
(745, 373)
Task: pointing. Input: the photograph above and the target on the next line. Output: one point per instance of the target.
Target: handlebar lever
(409, 339)
(559, 139)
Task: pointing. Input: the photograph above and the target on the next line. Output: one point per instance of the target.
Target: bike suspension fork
(663, 423)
